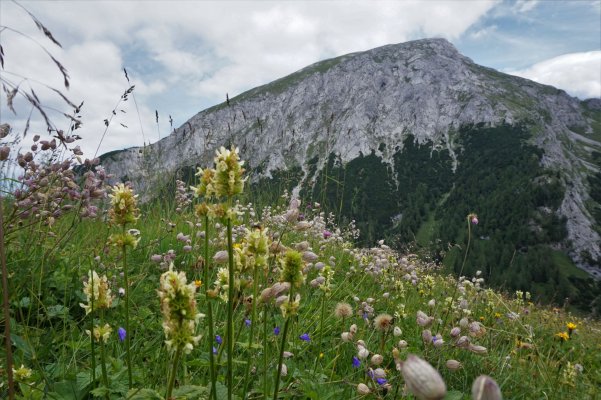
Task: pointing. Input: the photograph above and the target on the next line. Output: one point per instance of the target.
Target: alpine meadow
(393, 223)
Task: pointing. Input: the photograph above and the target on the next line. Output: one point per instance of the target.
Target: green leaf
(57, 311)
(191, 392)
(143, 394)
(454, 395)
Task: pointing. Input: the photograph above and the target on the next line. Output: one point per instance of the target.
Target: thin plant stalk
(127, 330)
(282, 347)
(92, 345)
(171, 382)
(467, 249)
(265, 350)
(252, 326)
(230, 312)
(209, 312)
(105, 379)
(5, 308)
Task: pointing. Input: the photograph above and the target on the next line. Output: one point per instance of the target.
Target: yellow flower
(563, 336)
(21, 374)
(198, 283)
(497, 315)
(320, 355)
(571, 326)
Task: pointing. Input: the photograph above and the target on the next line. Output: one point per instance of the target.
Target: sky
(184, 56)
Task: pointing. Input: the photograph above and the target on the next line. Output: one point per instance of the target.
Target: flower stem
(282, 347)
(178, 353)
(467, 249)
(105, 379)
(5, 308)
(264, 351)
(252, 326)
(209, 312)
(230, 311)
(127, 330)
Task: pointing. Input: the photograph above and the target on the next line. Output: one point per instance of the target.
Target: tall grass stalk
(230, 311)
(127, 328)
(252, 328)
(5, 308)
(467, 249)
(283, 346)
(105, 379)
(209, 311)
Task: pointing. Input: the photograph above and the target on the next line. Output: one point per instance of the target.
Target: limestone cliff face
(371, 101)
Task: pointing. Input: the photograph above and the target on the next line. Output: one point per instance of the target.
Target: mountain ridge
(372, 101)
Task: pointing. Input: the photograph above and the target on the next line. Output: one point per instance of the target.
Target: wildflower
(485, 388)
(326, 234)
(276, 330)
(221, 257)
(381, 381)
(363, 353)
(453, 365)
(206, 187)
(356, 362)
(22, 373)
(101, 333)
(346, 336)
(247, 322)
(377, 359)
(563, 336)
(477, 349)
(284, 370)
(157, 258)
(124, 208)
(305, 337)
(362, 389)
(343, 310)
(455, 332)
(571, 326)
(397, 331)
(403, 344)
(292, 269)
(97, 292)
(121, 291)
(423, 320)
(228, 180)
(383, 322)
(214, 350)
(422, 379)
(473, 218)
(178, 305)
(218, 339)
(353, 329)
(197, 283)
(320, 355)
(289, 307)
(122, 333)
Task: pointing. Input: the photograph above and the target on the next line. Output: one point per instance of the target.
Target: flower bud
(284, 370)
(397, 331)
(377, 359)
(346, 336)
(353, 329)
(427, 336)
(422, 379)
(403, 344)
(463, 341)
(362, 389)
(455, 332)
(477, 349)
(485, 388)
(363, 353)
(453, 365)
(221, 257)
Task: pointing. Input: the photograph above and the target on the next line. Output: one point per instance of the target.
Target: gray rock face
(352, 104)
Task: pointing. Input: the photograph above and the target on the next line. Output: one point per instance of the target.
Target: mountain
(408, 139)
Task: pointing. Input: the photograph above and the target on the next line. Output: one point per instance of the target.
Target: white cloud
(523, 6)
(579, 74)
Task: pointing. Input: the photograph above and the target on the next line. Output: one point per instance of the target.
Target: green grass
(566, 265)
(49, 324)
